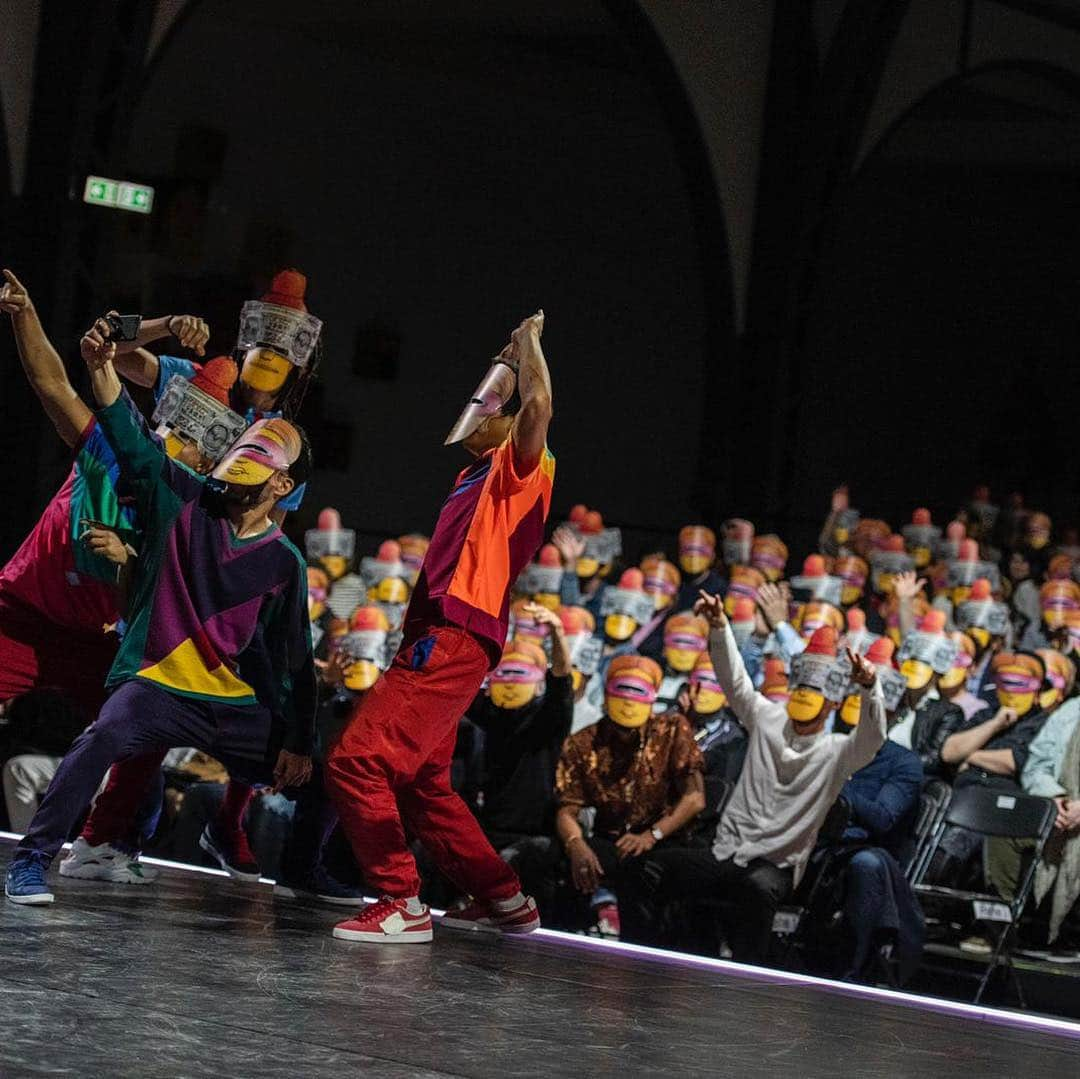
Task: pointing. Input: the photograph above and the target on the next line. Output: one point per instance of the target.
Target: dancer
(393, 758)
(217, 654)
(277, 350)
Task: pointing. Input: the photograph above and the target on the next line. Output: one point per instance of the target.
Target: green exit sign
(119, 194)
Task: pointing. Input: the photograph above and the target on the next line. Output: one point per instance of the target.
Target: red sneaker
(607, 921)
(386, 922)
(481, 917)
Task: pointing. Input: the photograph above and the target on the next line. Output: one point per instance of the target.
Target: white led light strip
(939, 1005)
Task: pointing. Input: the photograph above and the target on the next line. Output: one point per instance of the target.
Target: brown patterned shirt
(631, 781)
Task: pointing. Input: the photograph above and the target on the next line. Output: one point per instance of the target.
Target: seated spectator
(952, 685)
(640, 772)
(879, 905)
(525, 715)
(792, 775)
(717, 731)
(1052, 770)
(39, 729)
(685, 638)
(924, 721)
(697, 560)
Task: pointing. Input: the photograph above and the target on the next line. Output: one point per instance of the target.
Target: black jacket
(934, 723)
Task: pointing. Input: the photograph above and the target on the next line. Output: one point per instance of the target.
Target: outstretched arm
(534, 385)
(44, 369)
(137, 365)
(745, 701)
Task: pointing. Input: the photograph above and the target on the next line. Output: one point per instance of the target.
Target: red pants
(392, 761)
(112, 819)
(35, 653)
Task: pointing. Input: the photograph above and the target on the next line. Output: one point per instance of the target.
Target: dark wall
(437, 177)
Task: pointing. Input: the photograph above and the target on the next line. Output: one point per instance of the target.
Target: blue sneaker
(26, 880)
(322, 886)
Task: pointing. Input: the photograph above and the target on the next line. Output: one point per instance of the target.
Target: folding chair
(992, 812)
(933, 803)
(790, 921)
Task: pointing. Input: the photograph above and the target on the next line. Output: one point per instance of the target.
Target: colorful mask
(1060, 678)
(318, 585)
(520, 676)
(852, 571)
(738, 540)
(709, 697)
(686, 637)
(630, 690)
(774, 683)
(1018, 678)
(414, 549)
(627, 608)
(602, 546)
(330, 544)
(921, 538)
(949, 547)
(744, 582)
(542, 580)
(887, 565)
(769, 554)
(346, 594)
(697, 549)
(524, 625)
(276, 333)
(962, 572)
(957, 675)
(585, 650)
(844, 526)
(815, 614)
(662, 582)
(742, 620)
(189, 411)
(982, 616)
(817, 677)
(869, 535)
(926, 651)
(856, 636)
(266, 447)
(385, 575)
(1060, 603)
(489, 399)
(815, 583)
(892, 683)
(367, 645)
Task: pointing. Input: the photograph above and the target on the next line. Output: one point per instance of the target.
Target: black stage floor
(196, 976)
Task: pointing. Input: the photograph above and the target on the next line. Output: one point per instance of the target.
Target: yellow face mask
(335, 566)
(710, 699)
(850, 709)
(680, 660)
(952, 678)
(619, 627)
(960, 594)
(316, 608)
(980, 636)
(363, 674)
(693, 564)
(550, 600)
(916, 673)
(587, 568)
(389, 590)
(512, 695)
(922, 556)
(627, 713)
(265, 370)
(804, 705)
(1017, 687)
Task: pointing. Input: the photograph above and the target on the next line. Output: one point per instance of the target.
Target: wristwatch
(656, 833)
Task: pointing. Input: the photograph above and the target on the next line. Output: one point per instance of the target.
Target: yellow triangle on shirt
(183, 669)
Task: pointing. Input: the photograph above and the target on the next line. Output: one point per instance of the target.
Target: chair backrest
(996, 812)
(932, 803)
(835, 823)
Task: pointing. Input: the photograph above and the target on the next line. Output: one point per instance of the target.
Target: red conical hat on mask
(216, 378)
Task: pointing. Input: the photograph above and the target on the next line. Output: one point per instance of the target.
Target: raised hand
(863, 672)
(13, 295)
(711, 608)
(96, 345)
(191, 331)
(773, 601)
(907, 585)
(569, 545)
(331, 672)
(104, 542)
(840, 499)
(545, 616)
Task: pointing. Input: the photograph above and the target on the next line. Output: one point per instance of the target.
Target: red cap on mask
(921, 516)
(549, 556)
(287, 290)
(856, 619)
(814, 566)
(216, 378)
(880, 652)
(823, 642)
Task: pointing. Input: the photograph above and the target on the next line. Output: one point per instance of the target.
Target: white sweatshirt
(789, 782)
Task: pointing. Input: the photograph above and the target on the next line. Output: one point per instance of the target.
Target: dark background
(438, 171)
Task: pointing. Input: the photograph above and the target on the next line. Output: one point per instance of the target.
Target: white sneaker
(105, 862)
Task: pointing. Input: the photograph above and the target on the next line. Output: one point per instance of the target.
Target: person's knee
(866, 863)
(767, 885)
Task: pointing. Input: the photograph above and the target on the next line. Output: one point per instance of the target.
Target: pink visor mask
(1011, 682)
(488, 400)
(628, 688)
(254, 448)
(704, 678)
(519, 674)
(660, 584)
(698, 549)
(685, 642)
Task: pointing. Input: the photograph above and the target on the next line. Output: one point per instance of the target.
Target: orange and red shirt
(488, 530)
